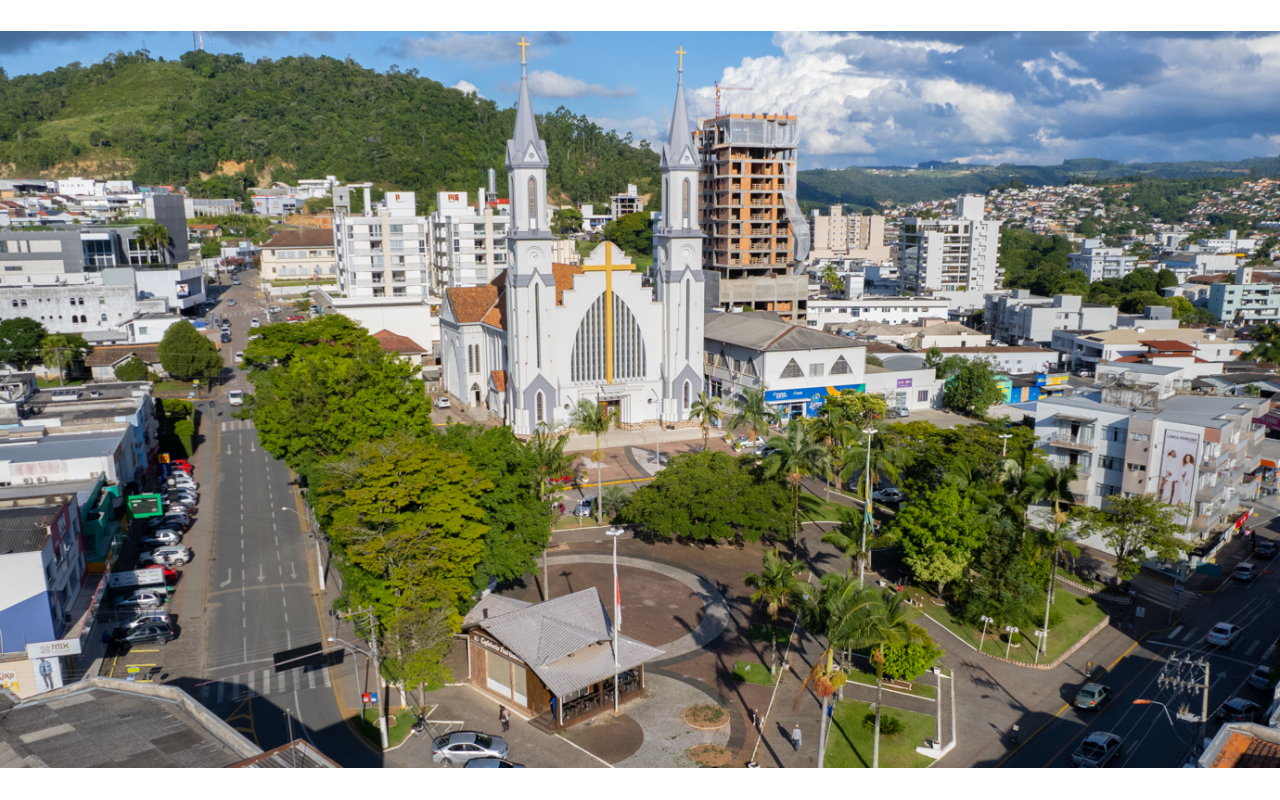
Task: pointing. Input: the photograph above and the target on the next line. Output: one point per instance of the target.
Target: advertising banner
(904, 383)
(1178, 459)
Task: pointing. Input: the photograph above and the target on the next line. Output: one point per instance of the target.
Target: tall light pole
(1004, 445)
(1042, 640)
(354, 666)
(866, 511)
(657, 434)
(319, 557)
(377, 666)
(616, 532)
(1010, 630)
(985, 621)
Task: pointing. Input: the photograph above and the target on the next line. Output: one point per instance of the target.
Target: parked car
(140, 598)
(585, 506)
(1245, 572)
(441, 402)
(1223, 634)
(235, 281)
(274, 310)
(232, 302)
(240, 357)
(295, 318)
(254, 323)
(1092, 696)
(156, 617)
(485, 762)
(898, 412)
(226, 336)
(462, 746)
(1097, 750)
(889, 495)
(145, 634)
(182, 464)
(235, 397)
(1260, 678)
(175, 555)
(179, 521)
(1237, 709)
(183, 482)
(1266, 548)
(161, 538)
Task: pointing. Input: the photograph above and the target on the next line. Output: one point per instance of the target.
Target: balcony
(1069, 442)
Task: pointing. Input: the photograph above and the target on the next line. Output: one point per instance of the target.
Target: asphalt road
(263, 606)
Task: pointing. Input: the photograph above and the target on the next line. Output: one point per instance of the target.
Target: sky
(863, 99)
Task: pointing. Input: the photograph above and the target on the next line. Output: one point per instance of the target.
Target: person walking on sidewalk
(795, 738)
(504, 716)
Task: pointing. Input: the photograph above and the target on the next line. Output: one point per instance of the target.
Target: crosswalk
(264, 682)
(1192, 635)
(238, 425)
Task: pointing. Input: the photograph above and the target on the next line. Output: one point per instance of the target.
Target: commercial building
(299, 254)
(42, 568)
(838, 236)
(1244, 301)
(1185, 264)
(1088, 349)
(200, 207)
(382, 252)
(955, 256)
(1023, 318)
(468, 243)
(754, 227)
(1013, 360)
(1098, 262)
(878, 309)
(628, 202)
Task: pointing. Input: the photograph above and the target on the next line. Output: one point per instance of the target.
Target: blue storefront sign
(813, 398)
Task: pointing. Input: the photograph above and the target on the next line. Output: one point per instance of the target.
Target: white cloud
(467, 87)
(639, 128)
(545, 83)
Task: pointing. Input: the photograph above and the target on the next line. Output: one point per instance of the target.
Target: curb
(1101, 626)
(1098, 594)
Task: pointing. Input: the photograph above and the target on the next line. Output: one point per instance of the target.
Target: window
(539, 411)
(687, 390)
(73, 301)
(841, 367)
(24, 305)
(398, 291)
(922, 396)
(815, 370)
(737, 365)
(533, 203)
(537, 331)
(792, 370)
(1137, 468)
(688, 295)
(1139, 437)
(102, 301)
(685, 206)
(397, 229)
(12, 269)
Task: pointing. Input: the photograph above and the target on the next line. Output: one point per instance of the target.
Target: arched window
(533, 203)
(685, 208)
(81, 301)
(666, 202)
(539, 411)
(537, 330)
(687, 389)
(688, 319)
(73, 301)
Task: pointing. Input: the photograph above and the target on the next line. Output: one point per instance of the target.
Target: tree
(846, 537)
(632, 232)
(20, 340)
(1166, 279)
(831, 277)
(859, 407)
(589, 417)
(886, 461)
(554, 465)
(186, 354)
(934, 563)
(1142, 279)
(1003, 582)
(906, 662)
(710, 497)
(567, 220)
(612, 500)
(154, 238)
(874, 360)
(1266, 347)
(1136, 526)
(943, 368)
(939, 532)
(973, 390)
(796, 456)
(753, 413)
(414, 644)
(210, 248)
(135, 369)
(1052, 484)
(62, 350)
(706, 411)
(776, 586)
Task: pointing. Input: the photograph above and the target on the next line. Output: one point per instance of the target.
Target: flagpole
(617, 616)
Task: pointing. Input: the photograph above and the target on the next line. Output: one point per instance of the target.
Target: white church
(541, 336)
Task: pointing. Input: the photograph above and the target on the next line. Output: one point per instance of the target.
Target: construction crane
(720, 89)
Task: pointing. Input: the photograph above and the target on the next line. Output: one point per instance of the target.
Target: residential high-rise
(1098, 262)
(468, 243)
(748, 209)
(629, 202)
(837, 235)
(957, 255)
(382, 252)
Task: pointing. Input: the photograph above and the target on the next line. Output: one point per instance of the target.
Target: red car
(182, 466)
(295, 319)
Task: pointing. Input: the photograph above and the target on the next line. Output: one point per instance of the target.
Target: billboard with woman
(1178, 460)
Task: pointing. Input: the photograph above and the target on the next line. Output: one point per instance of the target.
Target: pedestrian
(1088, 669)
(1132, 617)
(504, 716)
(795, 738)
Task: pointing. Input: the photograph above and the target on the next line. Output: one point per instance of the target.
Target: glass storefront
(506, 679)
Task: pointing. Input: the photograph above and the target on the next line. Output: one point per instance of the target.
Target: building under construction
(748, 207)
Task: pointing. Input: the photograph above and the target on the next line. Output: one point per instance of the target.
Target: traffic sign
(1177, 588)
(145, 505)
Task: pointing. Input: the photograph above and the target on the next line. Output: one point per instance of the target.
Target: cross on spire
(681, 52)
(523, 44)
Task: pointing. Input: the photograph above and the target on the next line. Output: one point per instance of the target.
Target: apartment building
(1022, 318)
(382, 252)
(1133, 434)
(1098, 262)
(629, 202)
(956, 256)
(1243, 300)
(883, 310)
(1185, 264)
(839, 236)
(299, 254)
(1087, 350)
(747, 187)
(468, 243)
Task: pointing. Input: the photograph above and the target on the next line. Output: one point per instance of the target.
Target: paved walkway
(667, 737)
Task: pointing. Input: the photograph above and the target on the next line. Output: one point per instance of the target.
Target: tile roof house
(102, 361)
(402, 346)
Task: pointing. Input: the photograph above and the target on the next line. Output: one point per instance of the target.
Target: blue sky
(863, 99)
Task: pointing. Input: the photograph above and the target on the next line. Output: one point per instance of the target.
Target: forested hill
(876, 186)
(169, 122)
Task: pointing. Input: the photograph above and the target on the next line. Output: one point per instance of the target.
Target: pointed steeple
(525, 148)
(679, 152)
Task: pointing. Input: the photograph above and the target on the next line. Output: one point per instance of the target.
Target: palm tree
(1013, 478)
(847, 539)
(591, 417)
(152, 236)
(836, 429)
(832, 278)
(885, 460)
(613, 500)
(1050, 484)
(707, 411)
(776, 587)
(62, 350)
(797, 455)
(553, 463)
(877, 624)
(1266, 344)
(753, 413)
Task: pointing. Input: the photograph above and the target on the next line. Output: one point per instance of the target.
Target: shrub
(132, 370)
(153, 376)
(911, 661)
(184, 428)
(1085, 601)
(1055, 617)
(889, 724)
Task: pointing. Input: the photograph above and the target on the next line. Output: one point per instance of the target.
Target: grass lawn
(54, 384)
(869, 679)
(849, 743)
(760, 633)
(1078, 619)
(176, 386)
(397, 733)
(751, 672)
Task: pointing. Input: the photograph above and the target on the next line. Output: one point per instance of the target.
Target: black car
(1266, 548)
(226, 338)
(145, 634)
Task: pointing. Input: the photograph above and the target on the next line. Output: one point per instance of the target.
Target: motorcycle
(419, 724)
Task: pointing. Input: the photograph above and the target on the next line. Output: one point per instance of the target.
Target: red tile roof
(563, 273)
(301, 237)
(395, 343)
(499, 379)
(482, 304)
(1168, 344)
(1242, 751)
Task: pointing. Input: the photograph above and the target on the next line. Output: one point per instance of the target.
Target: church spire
(679, 151)
(525, 148)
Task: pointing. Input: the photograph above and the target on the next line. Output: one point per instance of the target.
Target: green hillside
(172, 122)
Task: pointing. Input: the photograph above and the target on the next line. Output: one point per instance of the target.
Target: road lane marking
(1190, 634)
(1173, 634)
(227, 582)
(325, 674)
(266, 681)
(280, 682)
(249, 679)
(311, 680)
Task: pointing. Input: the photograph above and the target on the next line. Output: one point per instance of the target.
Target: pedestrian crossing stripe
(238, 425)
(1253, 647)
(1190, 634)
(239, 687)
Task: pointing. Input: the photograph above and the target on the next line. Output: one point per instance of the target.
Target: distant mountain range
(875, 187)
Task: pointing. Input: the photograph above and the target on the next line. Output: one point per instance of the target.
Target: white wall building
(468, 243)
(628, 202)
(1025, 319)
(955, 255)
(1098, 262)
(837, 235)
(299, 254)
(1088, 349)
(382, 253)
(885, 310)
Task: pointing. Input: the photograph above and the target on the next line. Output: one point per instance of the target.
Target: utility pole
(1194, 683)
(367, 616)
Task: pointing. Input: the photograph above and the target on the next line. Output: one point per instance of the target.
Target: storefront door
(507, 679)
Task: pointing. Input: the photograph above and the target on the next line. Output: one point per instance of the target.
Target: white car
(585, 506)
(240, 357)
(141, 598)
(274, 310)
(1223, 634)
(173, 555)
(441, 402)
(254, 323)
(183, 482)
(236, 397)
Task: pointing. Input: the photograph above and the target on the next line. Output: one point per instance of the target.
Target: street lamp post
(866, 515)
(657, 434)
(616, 532)
(354, 666)
(985, 622)
(377, 666)
(1011, 630)
(319, 557)
(1004, 444)
(1042, 640)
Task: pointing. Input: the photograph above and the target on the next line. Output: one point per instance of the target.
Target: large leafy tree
(20, 340)
(632, 232)
(186, 354)
(973, 389)
(939, 532)
(775, 586)
(61, 350)
(135, 369)
(1004, 577)
(1135, 527)
(710, 497)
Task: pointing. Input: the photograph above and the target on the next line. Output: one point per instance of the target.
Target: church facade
(542, 336)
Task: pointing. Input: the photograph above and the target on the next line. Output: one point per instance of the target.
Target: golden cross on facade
(681, 52)
(523, 44)
(607, 268)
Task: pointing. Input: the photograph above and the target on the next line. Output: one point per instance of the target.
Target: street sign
(1140, 613)
(163, 458)
(1177, 588)
(145, 505)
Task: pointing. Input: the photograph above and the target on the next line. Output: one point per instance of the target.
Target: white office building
(1098, 262)
(1023, 318)
(956, 257)
(468, 243)
(883, 310)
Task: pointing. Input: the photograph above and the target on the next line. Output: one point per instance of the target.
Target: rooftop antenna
(197, 40)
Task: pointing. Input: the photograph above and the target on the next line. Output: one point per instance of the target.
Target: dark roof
(765, 331)
(113, 354)
(294, 755)
(301, 237)
(25, 529)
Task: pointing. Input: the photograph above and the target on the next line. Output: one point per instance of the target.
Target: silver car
(462, 746)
